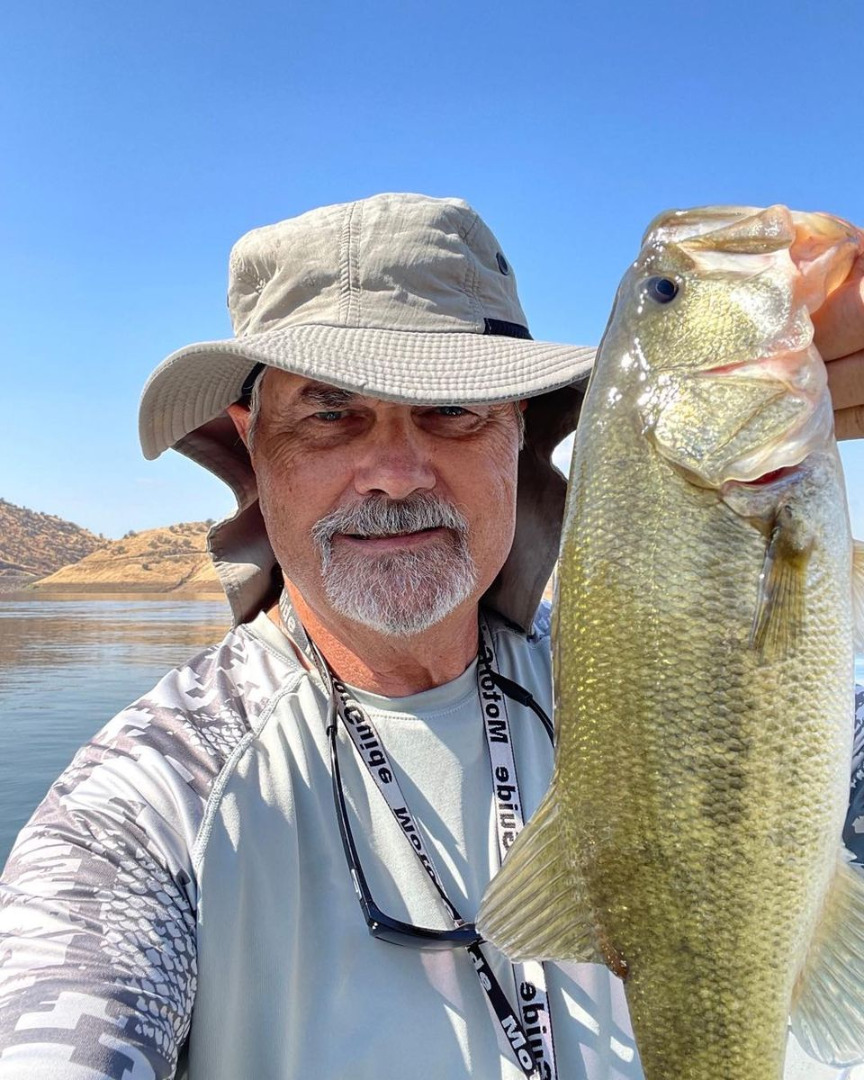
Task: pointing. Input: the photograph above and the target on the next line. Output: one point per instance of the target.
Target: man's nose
(393, 461)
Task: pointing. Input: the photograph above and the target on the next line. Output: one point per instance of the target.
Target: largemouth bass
(703, 654)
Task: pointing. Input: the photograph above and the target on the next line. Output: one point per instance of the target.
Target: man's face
(391, 515)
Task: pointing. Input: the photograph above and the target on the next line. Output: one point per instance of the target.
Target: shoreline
(112, 594)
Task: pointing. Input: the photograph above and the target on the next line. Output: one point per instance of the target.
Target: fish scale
(704, 729)
(704, 666)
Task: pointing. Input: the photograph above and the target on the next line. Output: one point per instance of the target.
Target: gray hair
(254, 412)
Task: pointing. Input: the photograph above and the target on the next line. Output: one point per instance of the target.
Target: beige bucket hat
(398, 296)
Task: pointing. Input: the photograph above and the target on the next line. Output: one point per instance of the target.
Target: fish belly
(702, 789)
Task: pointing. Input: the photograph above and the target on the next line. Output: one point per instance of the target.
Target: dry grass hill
(33, 545)
(45, 554)
(169, 560)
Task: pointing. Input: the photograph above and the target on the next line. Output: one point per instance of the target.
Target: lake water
(67, 666)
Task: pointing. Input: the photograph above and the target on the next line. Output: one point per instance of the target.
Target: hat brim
(195, 384)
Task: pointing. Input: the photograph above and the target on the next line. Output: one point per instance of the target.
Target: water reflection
(39, 633)
(67, 666)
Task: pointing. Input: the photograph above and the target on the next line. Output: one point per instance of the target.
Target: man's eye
(330, 416)
(451, 419)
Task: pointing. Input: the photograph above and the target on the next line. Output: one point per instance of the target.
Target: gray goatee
(398, 592)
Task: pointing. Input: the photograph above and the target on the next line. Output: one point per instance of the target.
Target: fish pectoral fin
(532, 909)
(858, 594)
(779, 615)
(828, 1016)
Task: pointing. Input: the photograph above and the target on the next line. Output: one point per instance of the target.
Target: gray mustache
(379, 516)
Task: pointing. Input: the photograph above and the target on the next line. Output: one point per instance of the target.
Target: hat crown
(392, 261)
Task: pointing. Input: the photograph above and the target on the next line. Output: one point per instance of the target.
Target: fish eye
(661, 289)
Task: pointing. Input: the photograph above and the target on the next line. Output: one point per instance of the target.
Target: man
(186, 899)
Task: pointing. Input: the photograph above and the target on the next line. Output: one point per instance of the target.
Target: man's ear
(240, 415)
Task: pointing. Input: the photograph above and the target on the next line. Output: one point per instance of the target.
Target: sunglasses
(381, 925)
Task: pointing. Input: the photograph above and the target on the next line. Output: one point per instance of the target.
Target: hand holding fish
(839, 337)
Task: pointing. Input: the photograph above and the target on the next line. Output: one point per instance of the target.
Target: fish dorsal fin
(533, 909)
(828, 1016)
(858, 593)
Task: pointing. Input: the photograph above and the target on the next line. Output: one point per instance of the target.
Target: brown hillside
(34, 544)
(173, 559)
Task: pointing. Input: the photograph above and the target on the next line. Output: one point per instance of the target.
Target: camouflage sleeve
(98, 899)
(97, 957)
(853, 833)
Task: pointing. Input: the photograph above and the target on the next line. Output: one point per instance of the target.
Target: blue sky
(138, 141)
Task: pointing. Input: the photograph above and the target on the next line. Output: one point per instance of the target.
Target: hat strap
(507, 329)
